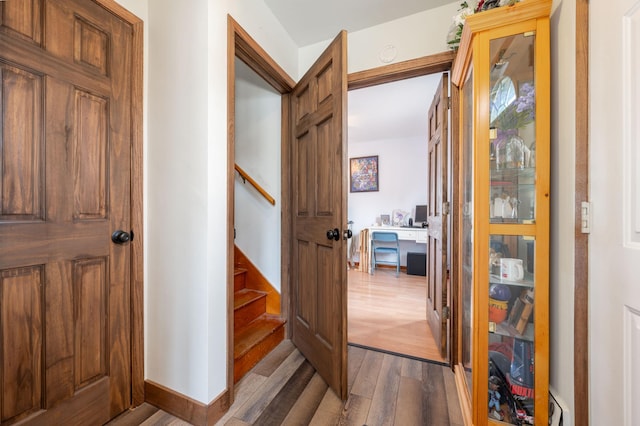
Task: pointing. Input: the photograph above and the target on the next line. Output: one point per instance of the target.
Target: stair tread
(245, 296)
(254, 332)
(239, 270)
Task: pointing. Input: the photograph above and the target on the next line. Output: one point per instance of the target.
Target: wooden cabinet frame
(474, 54)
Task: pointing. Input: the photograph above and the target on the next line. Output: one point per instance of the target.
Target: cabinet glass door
(512, 129)
(512, 166)
(511, 328)
(467, 229)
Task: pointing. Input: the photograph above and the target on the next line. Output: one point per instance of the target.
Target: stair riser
(247, 313)
(246, 362)
(239, 281)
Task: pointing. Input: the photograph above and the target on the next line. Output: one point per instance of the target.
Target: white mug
(511, 269)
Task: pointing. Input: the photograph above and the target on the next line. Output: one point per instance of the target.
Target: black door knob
(347, 234)
(333, 234)
(120, 237)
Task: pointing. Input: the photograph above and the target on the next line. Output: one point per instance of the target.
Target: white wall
(402, 181)
(562, 199)
(413, 36)
(179, 281)
(256, 18)
(258, 124)
(185, 149)
(376, 127)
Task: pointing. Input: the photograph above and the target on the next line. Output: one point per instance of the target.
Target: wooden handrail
(245, 177)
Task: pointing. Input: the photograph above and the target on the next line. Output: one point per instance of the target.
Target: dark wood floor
(284, 389)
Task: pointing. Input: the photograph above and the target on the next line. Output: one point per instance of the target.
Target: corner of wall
(562, 254)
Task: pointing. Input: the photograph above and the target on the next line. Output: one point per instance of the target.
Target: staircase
(255, 332)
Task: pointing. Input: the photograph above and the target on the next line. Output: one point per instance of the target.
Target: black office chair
(385, 243)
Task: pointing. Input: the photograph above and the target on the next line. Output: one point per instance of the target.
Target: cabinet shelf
(512, 195)
(504, 329)
(526, 282)
(511, 175)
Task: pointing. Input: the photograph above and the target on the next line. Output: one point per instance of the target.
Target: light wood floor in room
(389, 313)
(283, 389)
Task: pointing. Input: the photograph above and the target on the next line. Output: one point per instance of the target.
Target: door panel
(13, 18)
(90, 308)
(438, 216)
(22, 173)
(319, 268)
(21, 303)
(65, 85)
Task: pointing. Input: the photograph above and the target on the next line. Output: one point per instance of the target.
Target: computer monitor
(421, 214)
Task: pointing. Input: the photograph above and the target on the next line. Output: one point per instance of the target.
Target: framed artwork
(364, 174)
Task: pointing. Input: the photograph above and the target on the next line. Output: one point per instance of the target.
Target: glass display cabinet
(502, 71)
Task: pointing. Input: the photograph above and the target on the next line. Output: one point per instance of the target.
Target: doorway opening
(258, 325)
(261, 77)
(245, 48)
(385, 312)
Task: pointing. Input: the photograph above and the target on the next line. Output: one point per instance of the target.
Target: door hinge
(585, 217)
(449, 102)
(445, 207)
(446, 312)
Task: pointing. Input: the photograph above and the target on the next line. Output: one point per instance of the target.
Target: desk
(416, 235)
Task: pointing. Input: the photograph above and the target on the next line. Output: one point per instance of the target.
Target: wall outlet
(559, 414)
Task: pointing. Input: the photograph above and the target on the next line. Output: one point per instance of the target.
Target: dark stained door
(65, 136)
(438, 214)
(318, 317)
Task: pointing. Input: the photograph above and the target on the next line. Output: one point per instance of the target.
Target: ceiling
(331, 16)
(391, 111)
(385, 112)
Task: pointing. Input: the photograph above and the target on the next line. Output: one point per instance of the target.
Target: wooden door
(319, 280)
(438, 216)
(65, 99)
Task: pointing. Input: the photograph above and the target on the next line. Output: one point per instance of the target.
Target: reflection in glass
(467, 228)
(503, 93)
(512, 104)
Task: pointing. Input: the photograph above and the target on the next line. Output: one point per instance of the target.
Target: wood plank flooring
(283, 389)
(389, 313)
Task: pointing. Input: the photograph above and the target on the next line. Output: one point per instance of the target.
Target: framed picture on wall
(364, 174)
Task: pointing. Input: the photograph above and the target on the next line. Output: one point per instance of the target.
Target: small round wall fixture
(388, 53)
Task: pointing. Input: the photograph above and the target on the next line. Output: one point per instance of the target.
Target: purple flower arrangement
(526, 103)
(521, 112)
